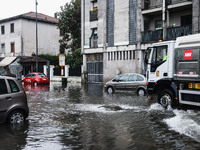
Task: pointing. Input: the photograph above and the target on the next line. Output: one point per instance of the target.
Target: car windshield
(41, 75)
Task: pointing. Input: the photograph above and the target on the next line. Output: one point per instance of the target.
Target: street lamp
(36, 20)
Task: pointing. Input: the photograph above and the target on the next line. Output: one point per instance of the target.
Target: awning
(7, 61)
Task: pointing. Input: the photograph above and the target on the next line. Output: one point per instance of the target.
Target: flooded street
(87, 118)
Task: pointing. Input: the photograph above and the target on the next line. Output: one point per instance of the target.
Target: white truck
(173, 71)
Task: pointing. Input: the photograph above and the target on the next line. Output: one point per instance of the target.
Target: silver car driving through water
(127, 82)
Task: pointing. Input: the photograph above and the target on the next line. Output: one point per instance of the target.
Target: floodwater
(86, 118)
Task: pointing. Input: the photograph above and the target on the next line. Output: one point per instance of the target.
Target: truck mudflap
(189, 97)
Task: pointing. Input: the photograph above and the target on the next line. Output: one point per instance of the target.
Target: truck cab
(159, 60)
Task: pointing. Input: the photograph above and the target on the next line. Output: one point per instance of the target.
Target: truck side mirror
(146, 59)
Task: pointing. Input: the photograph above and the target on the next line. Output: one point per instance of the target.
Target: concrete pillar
(51, 71)
(195, 17)
(45, 69)
(67, 70)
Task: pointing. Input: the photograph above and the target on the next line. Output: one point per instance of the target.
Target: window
(13, 86)
(139, 78)
(123, 78)
(12, 46)
(186, 20)
(3, 48)
(130, 57)
(94, 12)
(132, 77)
(93, 38)
(3, 87)
(2, 30)
(117, 57)
(124, 55)
(12, 29)
(158, 57)
(158, 24)
(133, 54)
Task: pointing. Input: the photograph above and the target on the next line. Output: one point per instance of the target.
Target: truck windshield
(159, 56)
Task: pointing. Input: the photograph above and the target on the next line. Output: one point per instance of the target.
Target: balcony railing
(93, 15)
(177, 1)
(152, 36)
(172, 34)
(147, 4)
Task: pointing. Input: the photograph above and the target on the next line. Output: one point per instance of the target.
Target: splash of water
(183, 123)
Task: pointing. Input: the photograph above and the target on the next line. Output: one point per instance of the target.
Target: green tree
(70, 25)
(74, 59)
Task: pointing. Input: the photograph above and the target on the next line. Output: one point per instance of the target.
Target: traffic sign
(61, 60)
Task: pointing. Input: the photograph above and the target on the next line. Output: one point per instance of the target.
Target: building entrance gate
(95, 72)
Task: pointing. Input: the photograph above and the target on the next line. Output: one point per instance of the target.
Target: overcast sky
(10, 8)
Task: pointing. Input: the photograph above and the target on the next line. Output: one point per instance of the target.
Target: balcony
(172, 34)
(153, 4)
(94, 15)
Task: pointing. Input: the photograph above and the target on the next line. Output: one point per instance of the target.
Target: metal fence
(95, 72)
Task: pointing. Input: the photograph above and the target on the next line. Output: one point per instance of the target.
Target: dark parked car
(13, 101)
(35, 78)
(127, 82)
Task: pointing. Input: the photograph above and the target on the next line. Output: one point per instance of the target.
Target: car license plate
(28, 80)
(197, 85)
(44, 79)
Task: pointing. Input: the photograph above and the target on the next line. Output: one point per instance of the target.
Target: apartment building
(115, 33)
(18, 35)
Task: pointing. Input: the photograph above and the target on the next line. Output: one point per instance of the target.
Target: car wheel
(16, 117)
(110, 90)
(141, 92)
(35, 83)
(166, 98)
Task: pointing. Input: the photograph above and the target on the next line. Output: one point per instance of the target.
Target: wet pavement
(86, 118)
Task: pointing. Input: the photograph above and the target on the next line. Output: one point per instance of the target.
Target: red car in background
(35, 78)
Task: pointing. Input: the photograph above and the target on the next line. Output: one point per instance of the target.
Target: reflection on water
(38, 88)
(78, 117)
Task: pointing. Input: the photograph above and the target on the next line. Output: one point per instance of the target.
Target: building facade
(18, 35)
(115, 33)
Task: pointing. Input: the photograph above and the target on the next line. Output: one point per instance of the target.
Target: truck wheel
(166, 98)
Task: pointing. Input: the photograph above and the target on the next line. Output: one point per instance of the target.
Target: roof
(7, 61)
(32, 59)
(32, 16)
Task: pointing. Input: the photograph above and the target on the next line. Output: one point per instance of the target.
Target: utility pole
(164, 20)
(36, 20)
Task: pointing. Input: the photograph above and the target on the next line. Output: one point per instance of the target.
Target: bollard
(64, 82)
